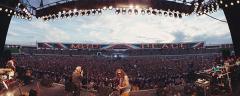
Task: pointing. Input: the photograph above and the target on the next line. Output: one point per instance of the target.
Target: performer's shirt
(76, 77)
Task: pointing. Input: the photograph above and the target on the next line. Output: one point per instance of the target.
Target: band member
(123, 85)
(8, 73)
(77, 79)
(11, 64)
(227, 65)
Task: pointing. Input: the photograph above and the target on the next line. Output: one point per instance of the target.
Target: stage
(59, 90)
(55, 90)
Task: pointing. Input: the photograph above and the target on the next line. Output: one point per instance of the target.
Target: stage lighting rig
(119, 6)
(69, 8)
(15, 8)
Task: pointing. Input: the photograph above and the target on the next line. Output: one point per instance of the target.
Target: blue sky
(112, 28)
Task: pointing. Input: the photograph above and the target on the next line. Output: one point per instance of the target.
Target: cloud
(108, 28)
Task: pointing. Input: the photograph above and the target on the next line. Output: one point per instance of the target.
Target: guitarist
(77, 77)
(123, 83)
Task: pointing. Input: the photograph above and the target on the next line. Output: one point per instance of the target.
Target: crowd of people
(145, 72)
(130, 52)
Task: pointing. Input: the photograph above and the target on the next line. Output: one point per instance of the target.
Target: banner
(46, 45)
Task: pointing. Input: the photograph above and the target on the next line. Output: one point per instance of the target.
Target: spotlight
(170, 14)
(82, 13)
(88, 12)
(94, 12)
(226, 5)
(71, 14)
(136, 11)
(142, 12)
(130, 11)
(6, 10)
(160, 13)
(44, 19)
(238, 1)
(56, 16)
(165, 13)
(154, 12)
(0, 9)
(123, 11)
(76, 13)
(67, 15)
(10, 11)
(148, 12)
(221, 2)
(117, 11)
(99, 11)
(62, 15)
(19, 4)
(49, 18)
(175, 15)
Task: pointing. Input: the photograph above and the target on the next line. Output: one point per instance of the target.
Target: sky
(111, 28)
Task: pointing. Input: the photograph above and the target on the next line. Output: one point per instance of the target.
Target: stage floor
(59, 90)
(56, 90)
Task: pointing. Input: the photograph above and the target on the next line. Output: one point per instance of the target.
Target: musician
(11, 64)
(227, 65)
(123, 85)
(77, 77)
(8, 72)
